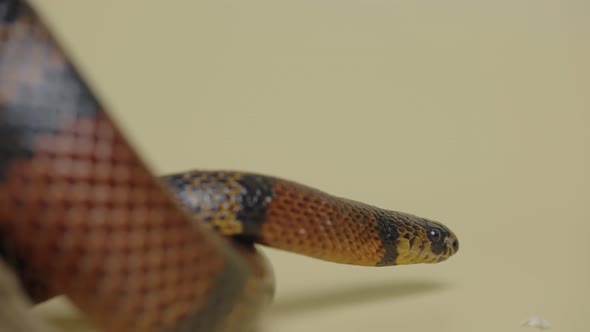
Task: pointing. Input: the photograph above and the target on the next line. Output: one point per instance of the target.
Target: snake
(83, 215)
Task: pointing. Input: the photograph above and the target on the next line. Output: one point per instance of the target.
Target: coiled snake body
(81, 214)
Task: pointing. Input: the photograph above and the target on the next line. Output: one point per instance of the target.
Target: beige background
(472, 113)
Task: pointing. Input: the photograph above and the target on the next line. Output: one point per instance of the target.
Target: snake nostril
(455, 245)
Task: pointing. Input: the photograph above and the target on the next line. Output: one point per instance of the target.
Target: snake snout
(451, 246)
(454, 243)
(443, 242)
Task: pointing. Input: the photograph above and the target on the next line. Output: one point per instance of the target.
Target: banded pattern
(82, 215)
(297, 218)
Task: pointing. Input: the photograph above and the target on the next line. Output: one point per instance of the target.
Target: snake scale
(82, 215)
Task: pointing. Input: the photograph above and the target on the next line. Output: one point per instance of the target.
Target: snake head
(419, 240)
(443, 242)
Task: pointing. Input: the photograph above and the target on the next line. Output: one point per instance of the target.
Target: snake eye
(434, 235)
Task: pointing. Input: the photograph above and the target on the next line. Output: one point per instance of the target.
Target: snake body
(82, 215)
